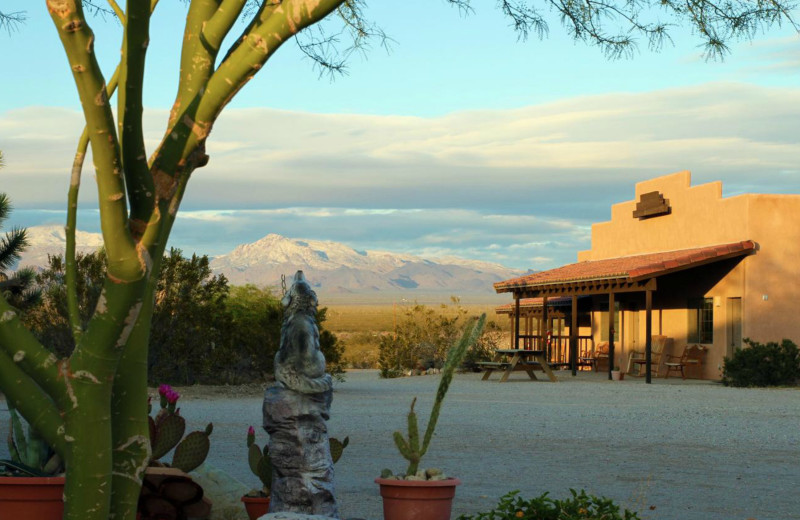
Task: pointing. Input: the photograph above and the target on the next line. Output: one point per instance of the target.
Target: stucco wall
(699, 217)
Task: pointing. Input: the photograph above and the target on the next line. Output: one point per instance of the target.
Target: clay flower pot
(617, 375)
(32, 497)
(256, 506)
(417, 499)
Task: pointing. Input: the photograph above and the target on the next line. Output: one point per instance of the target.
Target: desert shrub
(420, 339)
(760, 364)
(331, 347)
(202, 330)
(483, 349)
(578, 506)
(423, 335)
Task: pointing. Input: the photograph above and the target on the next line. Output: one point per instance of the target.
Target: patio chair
(599, 354)
(657, 349)
(692, 357)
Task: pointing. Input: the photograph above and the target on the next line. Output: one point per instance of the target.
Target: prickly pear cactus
(337, 447)
(166, 431)
(193, 450)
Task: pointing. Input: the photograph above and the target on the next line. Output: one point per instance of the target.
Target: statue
(296, 409)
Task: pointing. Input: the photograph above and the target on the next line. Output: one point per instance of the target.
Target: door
(734, 325)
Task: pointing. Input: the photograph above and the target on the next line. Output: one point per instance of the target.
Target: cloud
(521, 185)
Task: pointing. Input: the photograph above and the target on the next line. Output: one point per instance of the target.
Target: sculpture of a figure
(299, 363)
(296, 410)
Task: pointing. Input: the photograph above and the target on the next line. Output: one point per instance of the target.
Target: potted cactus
(167, 490)
(256, 502)
(30, 483)
(425, 493)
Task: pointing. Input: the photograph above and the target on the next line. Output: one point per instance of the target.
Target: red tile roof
(631, 268)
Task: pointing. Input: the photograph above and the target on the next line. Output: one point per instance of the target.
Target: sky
(459, 140)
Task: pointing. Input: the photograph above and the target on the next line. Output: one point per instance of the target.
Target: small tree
(17, 288)
(91, 406)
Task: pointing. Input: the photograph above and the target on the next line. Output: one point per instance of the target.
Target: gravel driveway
(671, 450)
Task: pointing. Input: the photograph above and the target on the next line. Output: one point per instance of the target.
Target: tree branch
(70, 265)
(36, 406)
(26, 351)
(138, 181)
(125, 263)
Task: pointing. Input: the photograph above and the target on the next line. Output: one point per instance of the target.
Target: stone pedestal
(302, 468)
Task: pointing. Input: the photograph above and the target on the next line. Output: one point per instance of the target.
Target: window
(701, 320)
(604, 321)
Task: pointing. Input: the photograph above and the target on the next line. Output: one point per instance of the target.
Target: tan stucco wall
(700, 217)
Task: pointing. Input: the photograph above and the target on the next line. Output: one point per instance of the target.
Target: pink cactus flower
(172, 396)
(164, 389)
(251, 431)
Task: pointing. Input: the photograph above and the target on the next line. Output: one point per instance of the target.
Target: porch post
(546, 322)
(511, 328)
(573, 337)
(516, 320)
(610, 334)
(648, 331)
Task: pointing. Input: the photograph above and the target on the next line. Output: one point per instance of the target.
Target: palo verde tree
(91, 406)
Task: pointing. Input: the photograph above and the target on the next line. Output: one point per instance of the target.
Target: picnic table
(510, 359)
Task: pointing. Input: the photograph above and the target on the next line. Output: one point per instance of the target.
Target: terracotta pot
(616, 375)
(32, 497)
(417, 499)
(256, 506)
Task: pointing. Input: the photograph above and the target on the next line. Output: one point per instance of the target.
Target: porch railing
(558, 350)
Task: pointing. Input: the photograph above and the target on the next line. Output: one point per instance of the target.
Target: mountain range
(331, 267)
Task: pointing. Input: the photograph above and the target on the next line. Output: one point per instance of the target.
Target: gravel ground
(671, 450)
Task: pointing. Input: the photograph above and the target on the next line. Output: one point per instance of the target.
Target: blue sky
(459, 141)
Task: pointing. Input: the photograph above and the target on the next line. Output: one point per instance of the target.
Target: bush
(578, 506)
(422, 337)
(762, 364)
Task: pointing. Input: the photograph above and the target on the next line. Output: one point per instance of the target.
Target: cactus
(30, 450)
(410, 448)
(259, 460)
(193, 450)
(261, 463)
(166, 431)
(337, 447)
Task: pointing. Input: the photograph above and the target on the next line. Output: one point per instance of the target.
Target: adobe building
(679, 260)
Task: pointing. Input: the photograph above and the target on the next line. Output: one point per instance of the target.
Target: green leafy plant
(579, 506)
(166, 433)
(261, 464)
(411, 448)
(763, 364)
(30, 453)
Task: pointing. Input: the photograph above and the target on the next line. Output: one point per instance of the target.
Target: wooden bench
(518, 359)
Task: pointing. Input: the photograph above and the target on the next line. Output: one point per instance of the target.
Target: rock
(414, 477)
(421, 474)
(432, 472)
(438, 477)
(223, 490)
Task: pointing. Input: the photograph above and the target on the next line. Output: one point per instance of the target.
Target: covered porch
(552, 296)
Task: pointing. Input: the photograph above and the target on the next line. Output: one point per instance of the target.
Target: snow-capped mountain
(51, 240)
(333, 267)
